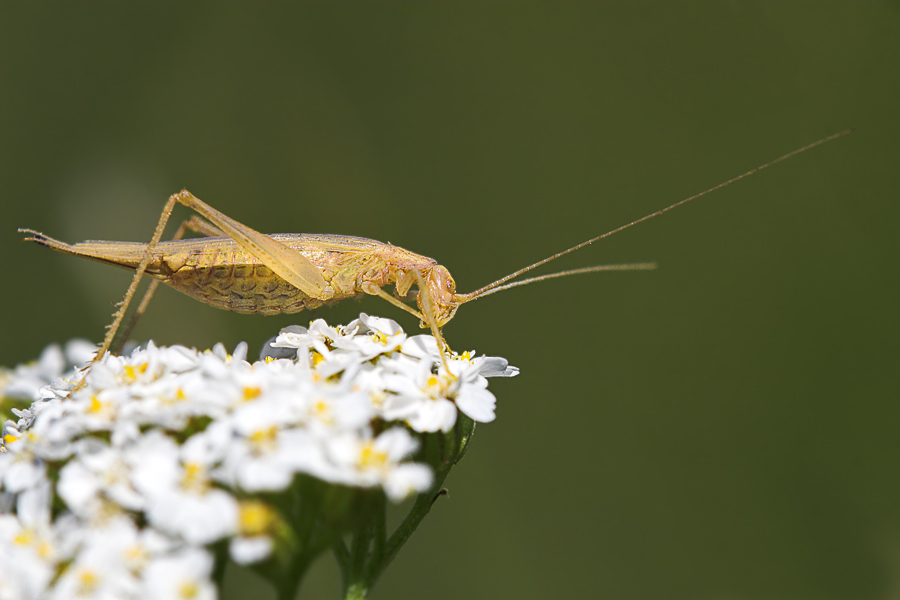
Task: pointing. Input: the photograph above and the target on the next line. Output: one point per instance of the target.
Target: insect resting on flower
(237, 268)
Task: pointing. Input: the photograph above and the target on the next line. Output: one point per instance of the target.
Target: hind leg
(287, 263)
(138, 273)
(193, 223)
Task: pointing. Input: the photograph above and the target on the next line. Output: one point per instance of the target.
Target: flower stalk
(371, 550)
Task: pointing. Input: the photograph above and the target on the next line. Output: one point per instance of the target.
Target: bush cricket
(237, 268)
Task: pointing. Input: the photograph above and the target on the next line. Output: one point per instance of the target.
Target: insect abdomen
(243, 288)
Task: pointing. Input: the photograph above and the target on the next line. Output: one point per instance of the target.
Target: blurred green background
(722, 428)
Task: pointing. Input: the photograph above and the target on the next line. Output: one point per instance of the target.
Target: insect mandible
(237, 268)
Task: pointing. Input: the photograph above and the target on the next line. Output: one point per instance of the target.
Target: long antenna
(598, 268)
(483, 290)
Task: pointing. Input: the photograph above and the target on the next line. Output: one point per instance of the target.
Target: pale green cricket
(239, 269)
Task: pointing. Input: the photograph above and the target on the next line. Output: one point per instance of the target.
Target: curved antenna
(597, 269)
(483, 291)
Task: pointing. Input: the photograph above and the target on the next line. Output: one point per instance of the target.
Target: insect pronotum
(237, 268)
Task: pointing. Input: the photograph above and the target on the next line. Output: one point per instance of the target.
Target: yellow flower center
(436, 387)
(378, 397)
(188, 590)
(44, 549)
(264, 438)
(24, 537)
(321, 409)
(370, 457)
(136, 555)
(96, 404)
(132, 372)
(255, 518)
(194, 477)
(103, 409)
(87, 582)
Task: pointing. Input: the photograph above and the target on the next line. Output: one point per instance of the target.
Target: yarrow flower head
(118, 478)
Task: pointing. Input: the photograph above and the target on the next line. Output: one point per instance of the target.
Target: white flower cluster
(26, 381)
(158, 454)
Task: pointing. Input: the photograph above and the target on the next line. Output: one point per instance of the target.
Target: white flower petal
(478, 404)
(246, 550)
(181, 575)
(407, 479)
(196, 518)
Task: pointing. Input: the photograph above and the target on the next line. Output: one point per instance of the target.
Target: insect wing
(331, 242)
(286, 262)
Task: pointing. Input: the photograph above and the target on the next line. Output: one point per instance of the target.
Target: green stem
(370, 552)
(220, 566)
(287, 585)
(342, 556)
(356, 592)
(404, 531)
(378, 538)
(366, 548)
(310, 509)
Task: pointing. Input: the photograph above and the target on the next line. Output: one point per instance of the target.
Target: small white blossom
(254, 541)
(182, 576)
(27, 560)
(98, 472)
(178, 490)
(268, 458)
(368, 462)
(105, 565)
(427, 395)
(29, 546)
(26, 380)
(247, 550)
